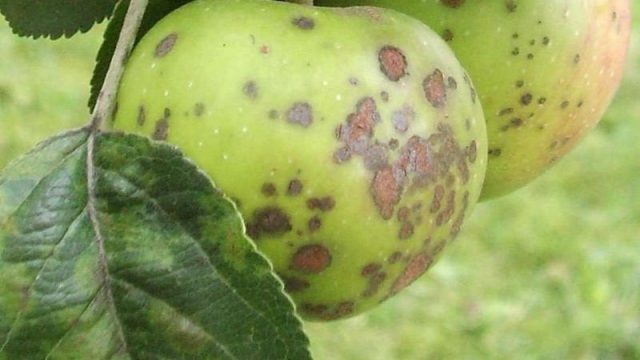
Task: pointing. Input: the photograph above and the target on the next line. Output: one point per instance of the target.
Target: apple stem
(103, 110)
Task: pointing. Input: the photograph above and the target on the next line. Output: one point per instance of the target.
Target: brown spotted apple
(545, 72)
(351, 140)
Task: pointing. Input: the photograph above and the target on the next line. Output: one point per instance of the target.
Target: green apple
(350, 139)
(545, 72)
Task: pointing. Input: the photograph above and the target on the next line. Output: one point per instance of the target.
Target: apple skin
(352, 156)
(545, 72)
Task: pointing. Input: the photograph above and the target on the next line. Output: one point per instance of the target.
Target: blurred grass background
(550, 272)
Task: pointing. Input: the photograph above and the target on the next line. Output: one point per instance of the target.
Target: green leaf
(155, 265)
(54, 18)
(156, 10)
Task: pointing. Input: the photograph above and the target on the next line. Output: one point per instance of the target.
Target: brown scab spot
(354, 81)
(314, 309)
(542, 100)
(394, 144)
(161, 130)
(392, 62)
(356, 134)
(303, 22)
(445, 215)
(326, 203)
(375, 280)
(166, 45)
(294, 188)
(495, 152)
(294, 284)
(301, 114)
(511, 5)
(505, 111)
(402, 118)
(384, 96)
(314, 224)
(417, 159)
(370, 269)
(343, 309)
(403, 214)
(326, 312)
(273, 114)
(406, 230)
(519, 83)
(311, 259)
(142, 116)
(546, 41)
(472, 152)
(386, 190)
(564, 104)
(453, 84)
(526, 98)
(416, 267)
(457, 225)
(250, 89)
(438, 196)
(268, 190)
(434, 89)
(452, 3)
(576, 59)
(269, 220)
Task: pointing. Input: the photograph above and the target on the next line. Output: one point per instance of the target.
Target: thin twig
(107, 97)
(101, 113)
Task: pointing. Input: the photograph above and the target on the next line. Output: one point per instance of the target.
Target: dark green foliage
(54, 18)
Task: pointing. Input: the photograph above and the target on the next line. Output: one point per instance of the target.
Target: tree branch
(302, 2)
(105, 104)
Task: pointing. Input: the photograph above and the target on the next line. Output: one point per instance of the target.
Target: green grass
(550, 272)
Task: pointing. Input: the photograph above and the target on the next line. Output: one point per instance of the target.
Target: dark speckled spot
(294, 284)
(402, 118)
(250, 89)
(376, 157)
(326, 203)
(314, 224)
(268, 190)
(294, 188)
(301, 114)
(166, 45)
(161, 130)
(142, 116)
(304, 23)
(526, 98)
(198, 109)
(269, 220)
